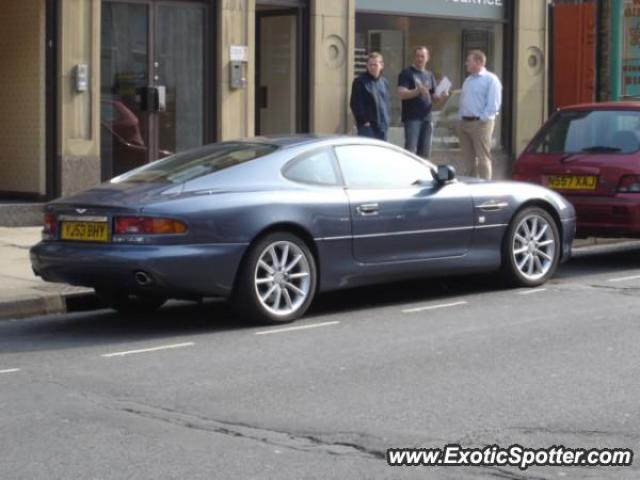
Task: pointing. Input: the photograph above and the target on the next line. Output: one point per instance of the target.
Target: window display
(448, 42)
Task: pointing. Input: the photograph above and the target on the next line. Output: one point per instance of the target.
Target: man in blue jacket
(370, 100)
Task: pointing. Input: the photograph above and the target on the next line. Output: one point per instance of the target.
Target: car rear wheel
(126, 302)
(531, 249)
(277, 280)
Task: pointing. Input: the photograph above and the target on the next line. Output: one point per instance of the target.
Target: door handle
(492, 206)
(368, 209)
(162, 98)
(153, 98)
(264, 97)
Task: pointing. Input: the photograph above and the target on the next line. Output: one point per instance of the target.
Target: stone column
(79, 112)
(236, 107)
(531, 62)
(331, 48)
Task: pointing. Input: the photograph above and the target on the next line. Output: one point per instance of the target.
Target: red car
(590, 154)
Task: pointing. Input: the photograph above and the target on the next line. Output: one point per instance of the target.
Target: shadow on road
(602, 260)
(100, 327)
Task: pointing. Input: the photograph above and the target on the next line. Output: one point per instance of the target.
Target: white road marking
(301, 327)
(10, 370)
(624, 279)
(433, 307)
(145, 350)
(535, 290)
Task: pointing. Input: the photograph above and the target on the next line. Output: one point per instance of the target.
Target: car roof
(289, 141)
(622, 105)
(282, 141)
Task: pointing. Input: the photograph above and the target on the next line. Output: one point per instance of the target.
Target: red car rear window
(597, 131)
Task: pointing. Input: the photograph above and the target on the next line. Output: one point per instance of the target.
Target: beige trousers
(475, 144)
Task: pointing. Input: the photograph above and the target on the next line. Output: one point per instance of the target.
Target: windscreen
(196, 163)
(590, 131)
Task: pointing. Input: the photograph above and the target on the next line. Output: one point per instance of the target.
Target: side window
(368, 166)
(626, 132)
(317, 167)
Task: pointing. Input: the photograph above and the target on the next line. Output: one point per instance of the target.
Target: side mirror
(445, 174)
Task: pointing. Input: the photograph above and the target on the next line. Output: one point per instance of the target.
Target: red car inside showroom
(590, 154)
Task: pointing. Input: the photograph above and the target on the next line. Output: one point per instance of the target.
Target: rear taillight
(50, 226)
(147, 226)
(629, 184)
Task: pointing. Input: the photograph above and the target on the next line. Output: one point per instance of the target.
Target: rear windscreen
(590, 131)
(196, 163)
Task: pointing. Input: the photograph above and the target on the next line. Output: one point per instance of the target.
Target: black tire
(125, 302)
(252, 283)
(531, 262)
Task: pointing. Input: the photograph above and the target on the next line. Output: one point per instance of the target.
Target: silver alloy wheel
(282, 278)
(533, 247)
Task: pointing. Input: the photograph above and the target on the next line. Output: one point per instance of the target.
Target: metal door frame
(208, 63)
(52, 165)
(301, 12)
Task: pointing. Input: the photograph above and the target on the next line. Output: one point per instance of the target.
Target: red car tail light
(629, 184)
(50, 224)
(147, 226)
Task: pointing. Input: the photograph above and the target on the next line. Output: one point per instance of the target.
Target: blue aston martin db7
(269, 222)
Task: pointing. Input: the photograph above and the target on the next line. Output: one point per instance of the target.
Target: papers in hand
(443, 86)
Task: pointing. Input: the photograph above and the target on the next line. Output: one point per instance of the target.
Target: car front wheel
(277, 280)
(531, 249)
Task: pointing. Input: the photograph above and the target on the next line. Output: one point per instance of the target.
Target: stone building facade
(94, 87)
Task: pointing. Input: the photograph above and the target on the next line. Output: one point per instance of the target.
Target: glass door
(124, 55)
(152, 81)
(277, 73)
(179, 68)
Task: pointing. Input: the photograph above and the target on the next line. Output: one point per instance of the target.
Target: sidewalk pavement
(22, 294)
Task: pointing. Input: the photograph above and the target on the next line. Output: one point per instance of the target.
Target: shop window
(448, 41)
(631, 49)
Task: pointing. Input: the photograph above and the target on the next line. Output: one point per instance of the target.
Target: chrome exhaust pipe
(142, 278)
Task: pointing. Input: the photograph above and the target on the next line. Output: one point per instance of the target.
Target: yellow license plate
(572, 182)
(85, 231)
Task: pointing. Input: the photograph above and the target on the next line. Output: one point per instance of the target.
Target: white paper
(443, 86)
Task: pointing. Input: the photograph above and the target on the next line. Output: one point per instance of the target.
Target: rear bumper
(607, 216)
(175, 270)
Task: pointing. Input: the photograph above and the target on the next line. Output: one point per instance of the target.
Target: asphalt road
(189, 392)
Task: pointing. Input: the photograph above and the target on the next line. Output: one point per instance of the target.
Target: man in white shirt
(479, 105)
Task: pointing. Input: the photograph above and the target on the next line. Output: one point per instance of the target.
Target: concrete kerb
(22, 294)
(591, 245)
(24, 305)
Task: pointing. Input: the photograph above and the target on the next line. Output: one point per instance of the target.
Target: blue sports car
(269, 222)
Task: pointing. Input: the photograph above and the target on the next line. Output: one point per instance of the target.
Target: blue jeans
(418, 135)
(372, 132)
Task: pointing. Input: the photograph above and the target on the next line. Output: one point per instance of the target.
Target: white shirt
(481, 96)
